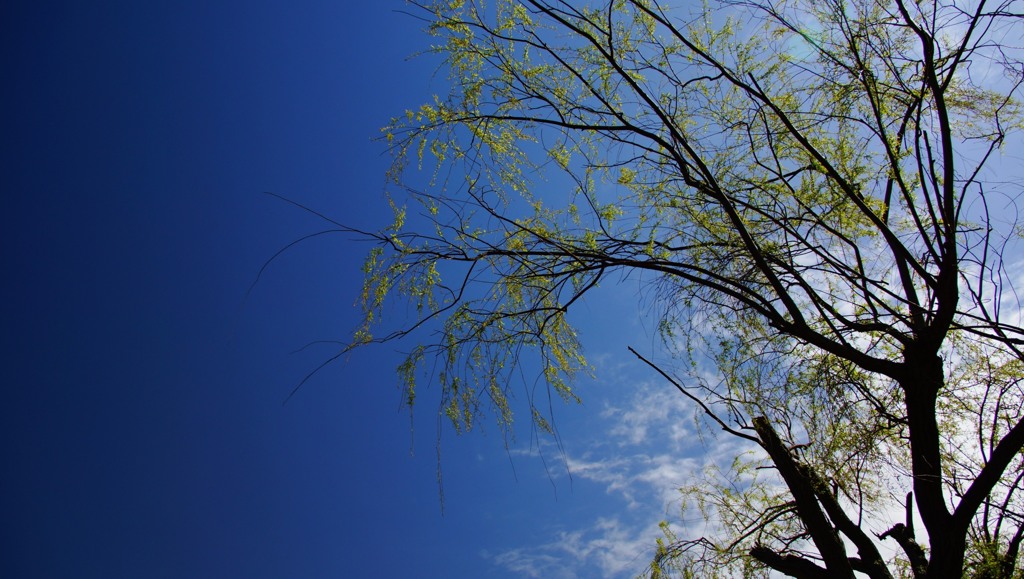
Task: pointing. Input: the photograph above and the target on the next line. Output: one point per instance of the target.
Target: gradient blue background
(142, 421)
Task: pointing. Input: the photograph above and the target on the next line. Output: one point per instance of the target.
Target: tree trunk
(921, 383)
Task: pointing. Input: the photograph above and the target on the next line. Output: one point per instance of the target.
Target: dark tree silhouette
(821, 196)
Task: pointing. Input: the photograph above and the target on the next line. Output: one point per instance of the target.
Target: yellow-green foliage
(778, 172)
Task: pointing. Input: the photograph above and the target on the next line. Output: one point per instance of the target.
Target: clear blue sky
(142, 421)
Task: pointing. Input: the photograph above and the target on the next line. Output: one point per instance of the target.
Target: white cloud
(532, 562)
(652, 415)
(608, 547)
(639, 450)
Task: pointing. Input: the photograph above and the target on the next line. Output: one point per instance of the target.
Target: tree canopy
(821, 198)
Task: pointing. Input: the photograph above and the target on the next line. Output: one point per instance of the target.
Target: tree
(815, 196)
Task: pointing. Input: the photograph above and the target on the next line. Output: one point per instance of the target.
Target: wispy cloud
(652, 415)
(639, 449)
(532, 562)
(607, 547)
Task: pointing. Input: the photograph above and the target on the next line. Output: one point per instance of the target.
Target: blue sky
(143, 428)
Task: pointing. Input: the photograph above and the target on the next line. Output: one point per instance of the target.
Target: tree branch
(829, 545)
